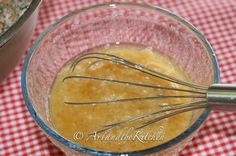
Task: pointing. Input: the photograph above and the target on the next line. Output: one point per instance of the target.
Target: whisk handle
(222, 97)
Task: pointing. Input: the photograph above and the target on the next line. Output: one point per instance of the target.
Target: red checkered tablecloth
(19, 134)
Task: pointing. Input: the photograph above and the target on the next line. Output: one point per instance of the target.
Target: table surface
(19, 134)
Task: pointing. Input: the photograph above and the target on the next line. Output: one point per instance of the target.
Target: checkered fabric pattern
(19, 134)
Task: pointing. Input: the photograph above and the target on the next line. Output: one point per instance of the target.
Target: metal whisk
(217, 96)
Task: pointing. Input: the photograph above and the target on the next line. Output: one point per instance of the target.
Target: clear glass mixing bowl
(111, 23)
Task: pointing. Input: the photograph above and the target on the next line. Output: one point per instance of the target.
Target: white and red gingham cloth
(19, 134)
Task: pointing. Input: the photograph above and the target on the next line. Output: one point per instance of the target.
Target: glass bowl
(115, 23)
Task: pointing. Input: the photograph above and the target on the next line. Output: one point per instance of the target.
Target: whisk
(218, 96)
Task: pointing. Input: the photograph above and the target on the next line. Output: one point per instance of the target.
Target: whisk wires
(197, 93)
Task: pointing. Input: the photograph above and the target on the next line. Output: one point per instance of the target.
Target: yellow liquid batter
(76, 122)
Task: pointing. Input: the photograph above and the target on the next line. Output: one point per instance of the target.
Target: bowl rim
(7, 35)
(69, 144)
